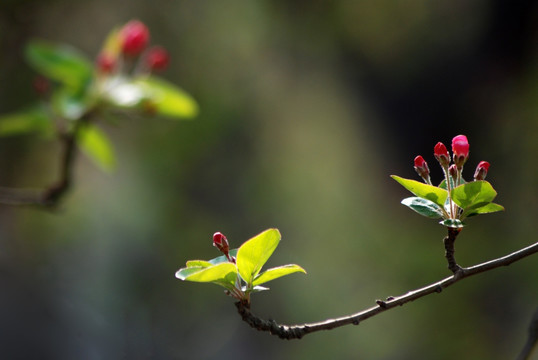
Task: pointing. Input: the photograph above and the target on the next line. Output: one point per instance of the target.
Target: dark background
(307, 107)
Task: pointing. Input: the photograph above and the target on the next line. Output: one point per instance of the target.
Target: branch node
(438, 289)
(381, 303)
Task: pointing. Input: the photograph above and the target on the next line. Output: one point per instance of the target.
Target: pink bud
(460, 149)
(421, 167)
(221, 243)
(481, 170)
(157, 58)
(106, 63)
(441, 154)
(135, 37)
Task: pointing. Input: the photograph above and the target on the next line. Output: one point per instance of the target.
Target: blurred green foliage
(306, 109)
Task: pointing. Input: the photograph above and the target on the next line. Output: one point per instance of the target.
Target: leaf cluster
(243, 274)
(472, 198)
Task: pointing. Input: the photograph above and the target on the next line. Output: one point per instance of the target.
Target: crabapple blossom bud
(460, 149)
(105, 63)
(421, 167)
(157, 58)
(481, 170)
(441, 154)
(134, 37)
(221, 243)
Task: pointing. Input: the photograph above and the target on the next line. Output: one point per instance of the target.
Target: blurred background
(307, 107)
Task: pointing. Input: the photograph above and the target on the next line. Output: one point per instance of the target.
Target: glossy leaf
(223, 274)
(167, 99)
(95, 144)
(473, 195)
(68, 105)
(424, 207)
(254, 253)
(425, 191)
(31, 120)
(453, 223)
(122, 93)
(486, 209)
(254, 289)
(277, 272)
(198, 264)
(60, 63)
(220, 259)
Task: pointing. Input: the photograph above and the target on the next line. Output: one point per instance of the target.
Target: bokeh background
(307, 107)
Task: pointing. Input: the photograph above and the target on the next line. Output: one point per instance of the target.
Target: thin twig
(532, 338)
(298, 331)
(449, 250)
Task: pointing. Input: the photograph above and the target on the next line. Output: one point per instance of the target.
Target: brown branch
(51, 196)
(298, 331)
(532, 338)
(449, 250)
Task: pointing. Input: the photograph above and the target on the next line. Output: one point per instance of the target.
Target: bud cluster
(453, 171)
(132, 43)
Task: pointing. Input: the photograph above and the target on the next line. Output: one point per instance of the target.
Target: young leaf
(254, 253)
(486, 209)
(425, 191)
(424, 207)
(68, 105)
(224, 274)
(222, 258)
(275, 273)
(96, 145)
(198, 264)
(167, 99)
(59, 62)
(34, 119)
(473, 195)
(453, 223)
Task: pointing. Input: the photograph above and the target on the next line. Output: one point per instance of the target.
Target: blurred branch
(51, 196)
(532, 339)
(298, 331)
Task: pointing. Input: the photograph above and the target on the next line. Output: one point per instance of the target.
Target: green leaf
(68, 105)
(424, 207)
(453, 223)
(120, 92)
(60, 62)
(198, 263)
(96, 146)
(220, 259)
(254, 253)
(34, 119)
(275, 273)
(425, 191)
(486, 209)
(473, 195)
(167, 99)
(223, 274)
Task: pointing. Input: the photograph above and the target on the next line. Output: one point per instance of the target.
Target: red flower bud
(460, 149)
(441, 154)
(157, 58)
(221, 243)
(421, 167)
(134, 37)
(106, 63)
(481, 170)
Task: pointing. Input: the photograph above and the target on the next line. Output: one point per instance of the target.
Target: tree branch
(298, 331)
(532, 338)
(51, 196)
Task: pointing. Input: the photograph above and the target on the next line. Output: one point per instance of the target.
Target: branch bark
(298, 331)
